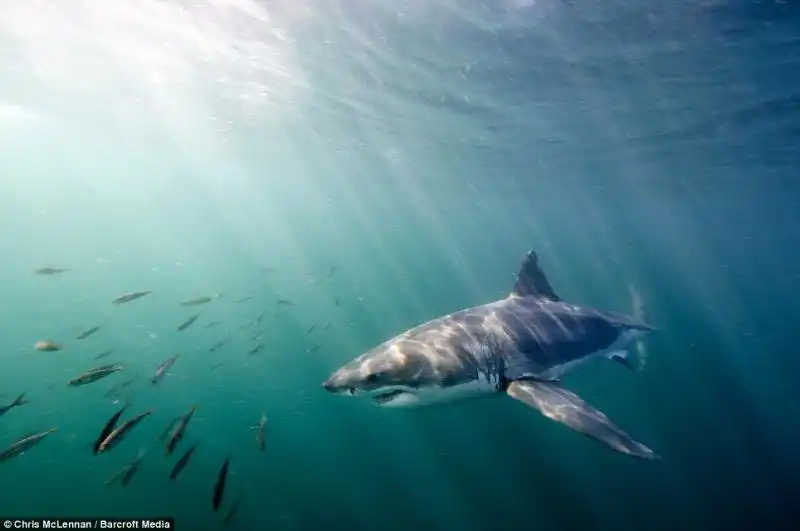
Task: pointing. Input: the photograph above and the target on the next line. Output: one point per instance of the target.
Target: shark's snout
(333, 383)
(338, 382)
(382, 374)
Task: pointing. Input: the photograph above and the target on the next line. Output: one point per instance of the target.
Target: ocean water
(379, 164)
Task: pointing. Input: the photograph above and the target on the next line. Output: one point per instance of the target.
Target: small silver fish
(118, 433)
(132, 468)
(90, 332)
(261, 434)
(219, 345)
(169, 428)
(199, 301)
(20, 400)
(120, 386)
(94, 374)
(24, 444)
(117, 475)
(181, 463)
(132, 296)
(126, 473)
(188, 322)
(104, 354)
(108, 427)
(180, 429)
(162, 369)
(256, 349)
(219, 487)
(47, 346)
(232, 510)
(50, 271)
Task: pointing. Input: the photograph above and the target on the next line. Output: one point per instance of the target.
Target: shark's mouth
(385, 398)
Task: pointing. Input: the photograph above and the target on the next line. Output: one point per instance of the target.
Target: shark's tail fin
(638, 312)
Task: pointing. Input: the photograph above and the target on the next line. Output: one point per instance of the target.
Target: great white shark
(520, 346)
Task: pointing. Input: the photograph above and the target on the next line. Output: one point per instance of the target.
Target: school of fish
(116, 429)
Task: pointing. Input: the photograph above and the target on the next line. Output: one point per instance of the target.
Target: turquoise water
(420, 149)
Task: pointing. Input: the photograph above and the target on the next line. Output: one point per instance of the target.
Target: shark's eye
(372, 377)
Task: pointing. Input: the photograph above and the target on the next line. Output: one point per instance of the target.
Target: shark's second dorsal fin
(531, 280)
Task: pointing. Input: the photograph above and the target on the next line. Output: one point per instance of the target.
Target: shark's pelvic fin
(623, 357)
(561, 405)
(637, 310)
(531, 280)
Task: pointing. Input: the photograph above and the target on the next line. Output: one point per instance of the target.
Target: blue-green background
(422, 148)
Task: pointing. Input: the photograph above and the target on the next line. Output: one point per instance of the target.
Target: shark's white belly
(437, 395)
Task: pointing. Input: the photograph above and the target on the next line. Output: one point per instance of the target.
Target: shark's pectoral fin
(561, 405)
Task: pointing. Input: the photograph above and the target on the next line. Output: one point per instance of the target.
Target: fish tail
(20, 400)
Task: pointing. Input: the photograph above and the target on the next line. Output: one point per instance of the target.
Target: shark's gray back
(540, 335)
(508, 339)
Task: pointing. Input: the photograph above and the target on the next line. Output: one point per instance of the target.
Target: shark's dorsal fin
(531, 280)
